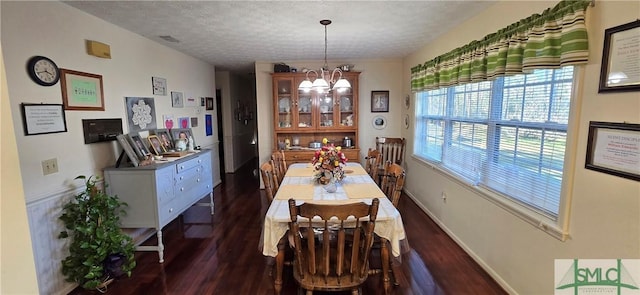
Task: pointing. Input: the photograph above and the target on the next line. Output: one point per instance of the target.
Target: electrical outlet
(49, 166)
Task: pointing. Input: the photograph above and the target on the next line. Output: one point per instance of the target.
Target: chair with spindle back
(393, 182)
(279, 165)
(271, 184)
(391, 149)
(391, 185)
(340, 259)
(373, 160)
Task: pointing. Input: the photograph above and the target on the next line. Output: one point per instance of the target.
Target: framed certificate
(620, 69)
(614, 148)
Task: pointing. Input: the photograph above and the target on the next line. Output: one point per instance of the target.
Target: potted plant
(99, 250)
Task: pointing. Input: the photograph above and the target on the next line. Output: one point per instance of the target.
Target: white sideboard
(156, 194)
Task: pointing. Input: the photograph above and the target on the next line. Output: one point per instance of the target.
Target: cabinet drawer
(186, 165)
(188, 179)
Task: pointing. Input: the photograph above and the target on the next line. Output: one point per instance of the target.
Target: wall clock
(43, 71)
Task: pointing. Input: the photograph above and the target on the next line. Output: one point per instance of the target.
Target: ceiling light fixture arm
(320, 84)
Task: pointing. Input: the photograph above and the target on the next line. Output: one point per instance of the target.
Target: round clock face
(43, 71)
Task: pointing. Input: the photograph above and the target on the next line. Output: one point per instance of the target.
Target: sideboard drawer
(186, 165)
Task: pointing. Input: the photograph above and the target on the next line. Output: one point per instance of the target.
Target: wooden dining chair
(269, 178)
(391, 149)
(325, 258)
(279, 165)
(392, 182)
(373, 160)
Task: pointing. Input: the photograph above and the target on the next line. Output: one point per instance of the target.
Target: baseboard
(464, 247)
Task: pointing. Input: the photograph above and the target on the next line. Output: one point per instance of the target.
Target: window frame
(555, 226)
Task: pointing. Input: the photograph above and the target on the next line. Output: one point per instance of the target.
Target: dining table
(357, 186)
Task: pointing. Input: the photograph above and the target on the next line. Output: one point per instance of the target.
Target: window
(507, 135)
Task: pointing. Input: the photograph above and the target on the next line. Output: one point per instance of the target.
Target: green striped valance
(555, 38)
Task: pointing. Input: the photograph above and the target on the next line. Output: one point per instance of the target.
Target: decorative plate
(379, 122)
(407, 101)
(406, 121)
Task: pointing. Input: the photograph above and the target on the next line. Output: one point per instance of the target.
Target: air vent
(169, 39)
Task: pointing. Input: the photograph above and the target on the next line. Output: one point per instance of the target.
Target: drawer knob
(181, 177)
(198, 180)
(170, 210)
(182, 189)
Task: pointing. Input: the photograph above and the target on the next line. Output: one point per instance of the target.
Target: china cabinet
(303, 118)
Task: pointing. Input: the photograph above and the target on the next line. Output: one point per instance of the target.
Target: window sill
(539, 221)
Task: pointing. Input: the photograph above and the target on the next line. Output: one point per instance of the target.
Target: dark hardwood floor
(219, 254)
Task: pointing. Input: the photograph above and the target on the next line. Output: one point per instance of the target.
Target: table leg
(384, 257)
(277, 283)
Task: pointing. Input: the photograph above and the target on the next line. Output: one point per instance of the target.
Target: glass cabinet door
(285, 103)
(305, 110)
(326, 107)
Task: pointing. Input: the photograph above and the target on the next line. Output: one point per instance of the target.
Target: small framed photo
(159, 85)
(43, 118)
(619, 69)
(182, 134)
(156, 145)
(165, 139)
(380, 101)
(614, 148)
(138, 146)
(209, 103)
(177, 99)
(128, 150)
(81, 91)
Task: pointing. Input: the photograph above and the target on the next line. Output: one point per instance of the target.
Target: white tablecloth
(388, 222)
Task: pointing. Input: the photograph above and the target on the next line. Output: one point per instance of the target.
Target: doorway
(220, 132)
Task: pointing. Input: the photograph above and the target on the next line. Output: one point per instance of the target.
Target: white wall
(605, 210)
(375, 75)
(58, 31)
(17, 266)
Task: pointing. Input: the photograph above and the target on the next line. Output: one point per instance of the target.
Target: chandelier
(321, 85)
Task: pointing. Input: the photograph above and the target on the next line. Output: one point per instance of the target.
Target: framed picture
(619, 69)
(379, 122)
(209, 103)
(165, 139)
(182, 133)
(156, 145)
(159, 85)
(138, 146)
(128, 150)
(141, 113)
(379, 101)
(614, 148)
(43, 118)
(81, 91)
(177, 100)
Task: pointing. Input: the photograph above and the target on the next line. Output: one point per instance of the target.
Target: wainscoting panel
(48, 250)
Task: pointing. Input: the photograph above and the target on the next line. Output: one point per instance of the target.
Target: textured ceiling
(232, 35)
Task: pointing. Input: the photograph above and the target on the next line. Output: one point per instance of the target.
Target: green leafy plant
(92, 221)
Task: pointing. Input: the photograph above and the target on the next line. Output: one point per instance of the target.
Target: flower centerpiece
(328, 163)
